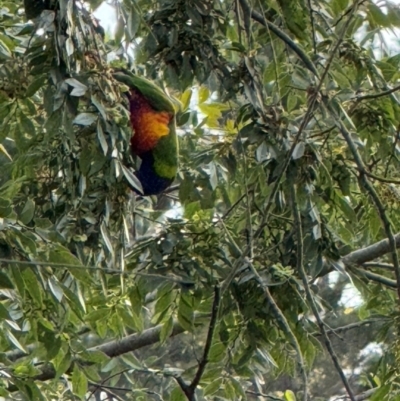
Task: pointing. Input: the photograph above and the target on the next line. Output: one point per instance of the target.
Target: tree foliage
(230, 285)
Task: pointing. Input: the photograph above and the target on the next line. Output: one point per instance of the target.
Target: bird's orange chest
(148, 124)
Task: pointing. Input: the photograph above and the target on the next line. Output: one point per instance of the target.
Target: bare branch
(350, 326)
(381, 179)
(360, 397)
(387, 266)
(309, 295)
(299, 258)
(210, 335)
(371, 252)
(268, 397)
(378, 278)
(364, 181)
(116, 348)
(377, 95)
(283, 323)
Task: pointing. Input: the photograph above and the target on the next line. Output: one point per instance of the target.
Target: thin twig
(97, 386)
(283, 323)
(378, 95)
(360, 397)
(348, 327)
(378, 278)
(371, 191)
(378, 265)
(270, 397)
(381, 179)
(207, 347)
(274, 56)
(393, 152)
(94, 268)
(310, 297)
(112, 395)
(230, 210)
(184, 387)
(312, 26)
(239, 28)
(300, 251)
(125, 389)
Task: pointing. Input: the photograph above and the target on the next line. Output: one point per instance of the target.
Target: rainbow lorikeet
(152, 117)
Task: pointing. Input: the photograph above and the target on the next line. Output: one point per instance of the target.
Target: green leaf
(119, 30)
(289, 395)
(379, 17)
(133, 22)
(177, 395)
(132, 361)
(5, 207)
(213, 387)
(27, 126)
(102, 138)
(217, 352)
(4, 51)
(79, 382)
(62, 256)
(185, 311)
(94, 357)
(381, 392)
(4, 312)
(25, 242)
(14, 341)
(62, 361)
(27, 212)
(238, 387)
(32, 286)
(132, 179)
(85, 160)
(5, 281)
(185, 99)
(106, 238)
(56, 289)
(191, 209)
(35, 85)
(230, 392)
(85, 119)
(98, 314)
(204, 94)
(166, 330)
(79, 89)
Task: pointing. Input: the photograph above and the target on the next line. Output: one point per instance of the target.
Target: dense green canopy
(237, 282)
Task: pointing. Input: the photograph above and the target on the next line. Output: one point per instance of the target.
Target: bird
(154, 140)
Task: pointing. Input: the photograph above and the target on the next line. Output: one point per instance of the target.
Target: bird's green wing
(165, 154)
(155, 96)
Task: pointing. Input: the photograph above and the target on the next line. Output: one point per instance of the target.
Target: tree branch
(378, 265)
(364, 182)
(371, 252)
(378, 278)
(350, 326)
(309, 295)
(377, 95)
(281, 35)
(360, 397)
(283, 323)
(115, 348)
(210, 335)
